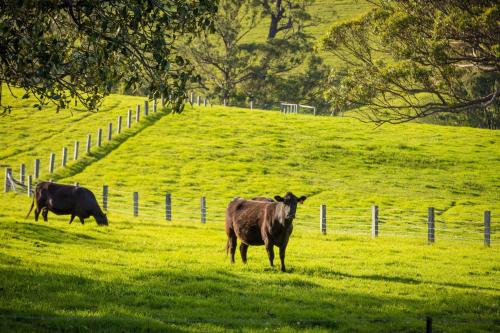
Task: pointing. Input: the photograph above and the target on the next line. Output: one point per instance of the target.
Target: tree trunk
(273, 27)
(275, 20)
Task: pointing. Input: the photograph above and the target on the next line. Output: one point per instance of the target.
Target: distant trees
(235, 63)
(285, 15)
(411, 59)
(60, 51)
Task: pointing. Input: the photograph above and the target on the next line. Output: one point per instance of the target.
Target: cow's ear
(278, 198)
(302, 199)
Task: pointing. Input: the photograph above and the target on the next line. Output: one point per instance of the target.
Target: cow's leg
(232, 247)
(282, 257)
(270, 253)
(82, 220)
(72, 218)
(243, 252)
(37, 213)
(45, 212)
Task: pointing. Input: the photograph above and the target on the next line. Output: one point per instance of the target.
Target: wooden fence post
(37, 168)
(136, 203)
(110, 131)
(137, 113)
(251, 104)
(168, 207)
(51, 162)
(430, 225)
(105, 197)
(203, 205)
(146, 108)
(89, 143)
(8, 174)
(129, 118)
(428, 325)
(322, 219)
(99, 137)
(75, 152)
(487, 227)
(374, 221)
(22, 173)
(119, 125)
(64, 156)
(30, 184)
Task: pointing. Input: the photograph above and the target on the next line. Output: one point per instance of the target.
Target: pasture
(145, 273)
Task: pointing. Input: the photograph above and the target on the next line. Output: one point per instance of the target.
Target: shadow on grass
(200, 300)
(108, 147)
(396, 279)
(39, 231)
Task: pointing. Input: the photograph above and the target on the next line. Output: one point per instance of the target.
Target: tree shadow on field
(204, 299)
(397, 279)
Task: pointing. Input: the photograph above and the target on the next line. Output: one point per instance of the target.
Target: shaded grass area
(140, 275)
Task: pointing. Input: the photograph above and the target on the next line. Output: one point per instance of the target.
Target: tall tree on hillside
(411, 59)
(228, 59)
(63, 50)
(286, 15)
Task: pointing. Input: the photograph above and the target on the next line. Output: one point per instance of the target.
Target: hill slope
(143, 273)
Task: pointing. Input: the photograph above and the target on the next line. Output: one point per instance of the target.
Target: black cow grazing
(261, 221)
(66, 200)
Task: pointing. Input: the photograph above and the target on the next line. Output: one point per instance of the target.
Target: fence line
(326, 222)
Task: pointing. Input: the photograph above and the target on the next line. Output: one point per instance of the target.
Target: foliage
(303, 86)
(227, 60)
(64, 50)
(287, 16)
(411, 59)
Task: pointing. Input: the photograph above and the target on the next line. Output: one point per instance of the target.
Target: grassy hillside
(143, 273)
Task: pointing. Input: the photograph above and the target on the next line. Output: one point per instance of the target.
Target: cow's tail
(31, 208)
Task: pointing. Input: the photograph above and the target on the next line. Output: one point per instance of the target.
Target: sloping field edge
(102, 152)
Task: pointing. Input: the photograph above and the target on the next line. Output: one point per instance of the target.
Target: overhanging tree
(64, 50)
(408, 59)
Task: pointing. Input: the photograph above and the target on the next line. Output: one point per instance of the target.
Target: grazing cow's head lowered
(290, 202)
(101, 219)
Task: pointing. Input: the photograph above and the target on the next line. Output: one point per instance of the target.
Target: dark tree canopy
(408, 59)
(64, 50)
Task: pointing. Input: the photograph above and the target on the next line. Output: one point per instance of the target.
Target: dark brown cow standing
(261, 221)
(66, 200)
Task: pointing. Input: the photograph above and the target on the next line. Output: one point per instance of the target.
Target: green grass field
(144, 273)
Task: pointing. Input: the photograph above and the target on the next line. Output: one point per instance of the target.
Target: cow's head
(290, 202)
(101, 219)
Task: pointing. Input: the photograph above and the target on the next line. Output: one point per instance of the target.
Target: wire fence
(357, 221)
